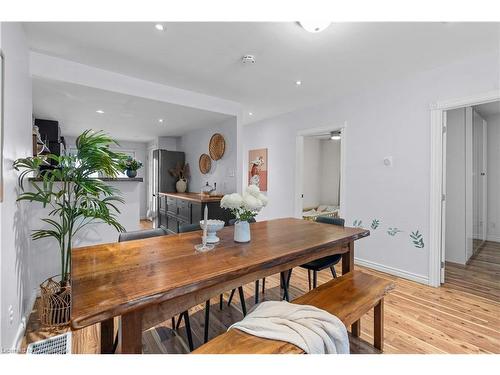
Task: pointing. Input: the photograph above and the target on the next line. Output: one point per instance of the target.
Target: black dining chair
(149, 233)
(192, 227)
(326, 262)
(315, 265)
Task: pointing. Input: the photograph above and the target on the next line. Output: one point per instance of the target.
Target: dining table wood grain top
(118, 278)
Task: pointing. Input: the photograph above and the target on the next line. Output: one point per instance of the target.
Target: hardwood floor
(481, 276)
(418, 319)
(146, 224)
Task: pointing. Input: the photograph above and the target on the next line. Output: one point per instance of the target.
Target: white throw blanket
(313, 330)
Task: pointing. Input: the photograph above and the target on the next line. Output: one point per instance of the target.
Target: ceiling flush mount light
(248, 59)
(100, 111)
(250, 113)
(314, 26)
(335, 136)
(160, 120)
(298, 83)
(159, 27)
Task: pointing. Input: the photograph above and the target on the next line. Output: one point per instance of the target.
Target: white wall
(390, 120)
(330, 171)
(311, 183)
(455, 186)
(17, 283)
(493, 177)
(223, 171)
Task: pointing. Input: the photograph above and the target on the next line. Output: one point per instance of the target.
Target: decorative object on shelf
(130, 166)
(212, 227)
(217, 146)
(244, 207)
(207, 189)
(181, 171)
(76, 200)
(257, 169)
(205, 163)
(204, 246)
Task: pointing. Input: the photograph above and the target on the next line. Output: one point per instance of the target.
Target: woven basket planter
(55, 303)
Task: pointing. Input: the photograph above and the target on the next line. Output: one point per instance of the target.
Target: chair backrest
(232, 221)
(188, 227)
(141, 234)
(331, 220)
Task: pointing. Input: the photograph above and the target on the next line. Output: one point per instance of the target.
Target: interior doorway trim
(437, 112)
(299, 165)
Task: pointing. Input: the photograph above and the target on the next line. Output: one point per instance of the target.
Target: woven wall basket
(217, 146)
(54, 306)
(205, 163)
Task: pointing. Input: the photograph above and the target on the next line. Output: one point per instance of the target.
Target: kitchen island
(175, 209)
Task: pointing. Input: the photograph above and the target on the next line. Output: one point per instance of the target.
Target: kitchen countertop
(194, 197)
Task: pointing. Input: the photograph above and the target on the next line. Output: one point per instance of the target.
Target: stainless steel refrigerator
(163, 181)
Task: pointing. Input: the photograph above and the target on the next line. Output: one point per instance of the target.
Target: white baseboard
(392, 271)
(16, 344)
(492, 238)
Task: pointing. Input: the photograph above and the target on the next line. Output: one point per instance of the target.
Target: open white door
(443, 199)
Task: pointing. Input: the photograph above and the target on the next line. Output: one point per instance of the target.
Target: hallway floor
(481, 276)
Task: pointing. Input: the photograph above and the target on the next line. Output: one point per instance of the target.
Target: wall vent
(60, 344)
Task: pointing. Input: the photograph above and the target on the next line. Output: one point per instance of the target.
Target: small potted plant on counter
(130, 166)
(75, 200)
(181, 172)
(244, 207)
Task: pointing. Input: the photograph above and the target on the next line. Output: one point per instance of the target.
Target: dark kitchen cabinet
(187, 208)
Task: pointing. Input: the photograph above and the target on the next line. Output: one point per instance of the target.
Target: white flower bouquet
(246, 206)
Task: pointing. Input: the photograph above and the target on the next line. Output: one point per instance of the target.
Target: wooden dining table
(146, 282)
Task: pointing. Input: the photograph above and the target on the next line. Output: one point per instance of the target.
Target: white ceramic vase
(181, 185)
(242, 231)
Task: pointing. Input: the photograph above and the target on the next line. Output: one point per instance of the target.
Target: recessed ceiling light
(250, 113)
(159, 27)
(298, 83)
(160, 120)
(314, 26)
(100, 111)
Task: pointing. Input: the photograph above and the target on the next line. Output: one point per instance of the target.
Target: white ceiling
(488, 109)
(125, 117)
(205, 57)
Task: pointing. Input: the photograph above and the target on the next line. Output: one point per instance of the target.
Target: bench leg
(356, 328)
(207, 320)
(107, 336)
(378, 332)
(256, 291)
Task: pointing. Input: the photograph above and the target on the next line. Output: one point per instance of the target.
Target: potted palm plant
(75, 199)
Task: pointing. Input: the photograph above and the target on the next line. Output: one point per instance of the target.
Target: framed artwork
(1, 123)
(258, 168)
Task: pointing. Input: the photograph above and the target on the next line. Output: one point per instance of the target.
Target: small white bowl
(212, 228)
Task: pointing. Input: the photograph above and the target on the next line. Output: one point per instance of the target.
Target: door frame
(299, 166)
(437, 167)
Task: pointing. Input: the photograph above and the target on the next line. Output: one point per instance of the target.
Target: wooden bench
(348, 297)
